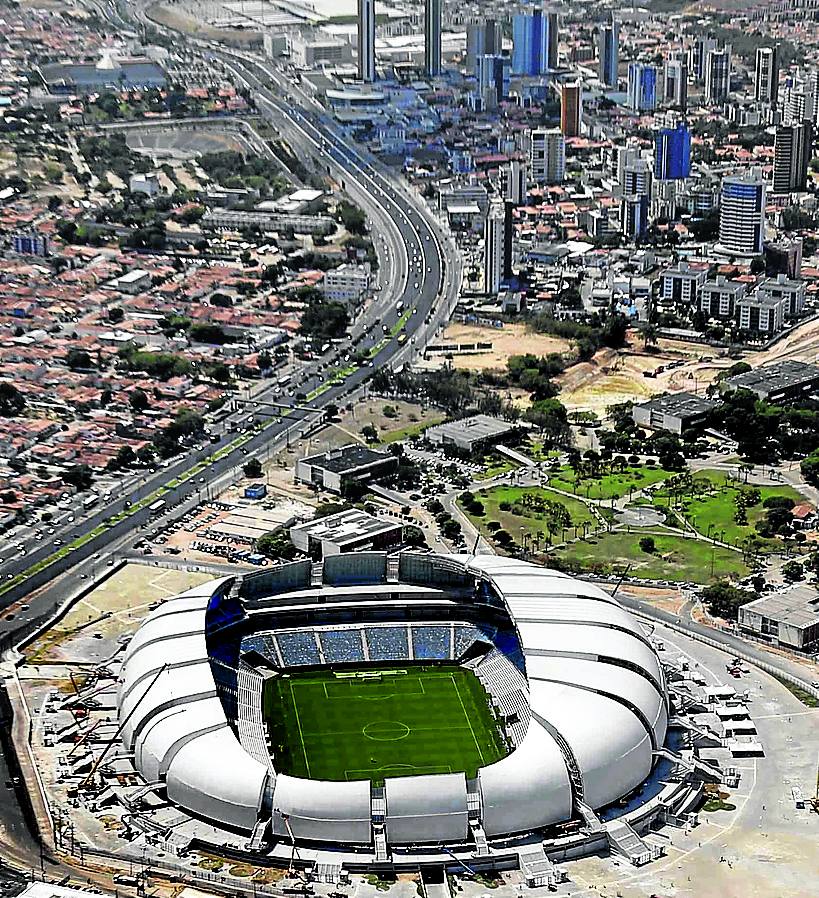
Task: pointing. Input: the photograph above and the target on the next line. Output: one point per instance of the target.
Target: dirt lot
(179, 21)
(512, 339)
(115, 606)
(616, 376)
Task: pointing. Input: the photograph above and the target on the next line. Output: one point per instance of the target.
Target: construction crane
(88, 781)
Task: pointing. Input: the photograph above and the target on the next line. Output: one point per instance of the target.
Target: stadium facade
(573, 678)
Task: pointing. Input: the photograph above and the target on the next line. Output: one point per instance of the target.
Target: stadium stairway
(537, 869)
(625, 841)
(727, 777)
(590, 820)
(685, 701)
(697, 733)
(393, 568)
(134, 800)
(478, 834)
(380, 839)
(257, 837)
(317, 573)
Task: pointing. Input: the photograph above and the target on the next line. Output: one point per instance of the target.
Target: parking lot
(226, 531)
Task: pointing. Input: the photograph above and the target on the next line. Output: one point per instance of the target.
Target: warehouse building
(470, 434)
(788, 618)
(676, 412)
(348, 531)
(786, 381)
(341, 470)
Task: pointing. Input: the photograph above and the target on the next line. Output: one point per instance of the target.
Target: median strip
(340, 375)
(401, 323)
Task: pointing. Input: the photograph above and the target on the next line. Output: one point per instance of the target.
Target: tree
(276, 544)
(138, 400)
(252, 468)
(125, 456)
(78, 360)
(78, 476)
(724, 600)
(352, 218)
(369, 433)
(647, 545)
(146, 455)
(414, 536)
(12, 401)
(324, 320)
(325, 509)
(550, 416)
(115, 314)
(187, 423)
(793, 571)
(209, 333)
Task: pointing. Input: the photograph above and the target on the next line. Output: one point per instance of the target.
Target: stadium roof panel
(595, 688)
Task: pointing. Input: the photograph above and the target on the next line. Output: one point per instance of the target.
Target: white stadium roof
(595, 689)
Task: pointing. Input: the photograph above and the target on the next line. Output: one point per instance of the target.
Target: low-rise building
(145, 183)
(761, 314)
(342, 470)
(676, 412)
(31, 243)
(786, 381)
(236, 220)
(469, 434)
(682, 284)
(782, 287)
(347, 284)
(311, 53)
(133, 282)
(788, 618)
(720, 298)
(348, 531)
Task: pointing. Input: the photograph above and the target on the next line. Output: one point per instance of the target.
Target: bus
(157, 506)
(90, 502)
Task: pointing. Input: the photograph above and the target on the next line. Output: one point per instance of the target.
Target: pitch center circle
(386, 731)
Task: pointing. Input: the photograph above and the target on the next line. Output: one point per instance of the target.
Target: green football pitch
(370, 724)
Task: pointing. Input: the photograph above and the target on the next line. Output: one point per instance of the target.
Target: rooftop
(344, 527)
(798, 606)
(681, 404)
(772, 378)
(347, 458)
(478, 427)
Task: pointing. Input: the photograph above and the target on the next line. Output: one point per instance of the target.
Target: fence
(735, 652)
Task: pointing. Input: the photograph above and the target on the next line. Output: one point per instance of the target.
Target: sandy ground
(184, 179)
(512, 339)
(115, 606)
(617, 376)
(180, 21)
(348, 429)
(670, 600)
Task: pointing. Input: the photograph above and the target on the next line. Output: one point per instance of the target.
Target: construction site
(734, 786)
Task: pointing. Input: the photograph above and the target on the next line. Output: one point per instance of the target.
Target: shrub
(647, 545)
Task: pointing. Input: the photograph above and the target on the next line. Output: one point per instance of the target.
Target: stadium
(387, 705)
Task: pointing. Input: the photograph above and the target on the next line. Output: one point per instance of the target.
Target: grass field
(631, 479)
(531, 520)
(675, 558)
(711, 510)
(408, 721)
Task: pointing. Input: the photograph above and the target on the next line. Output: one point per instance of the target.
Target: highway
(419, 268)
